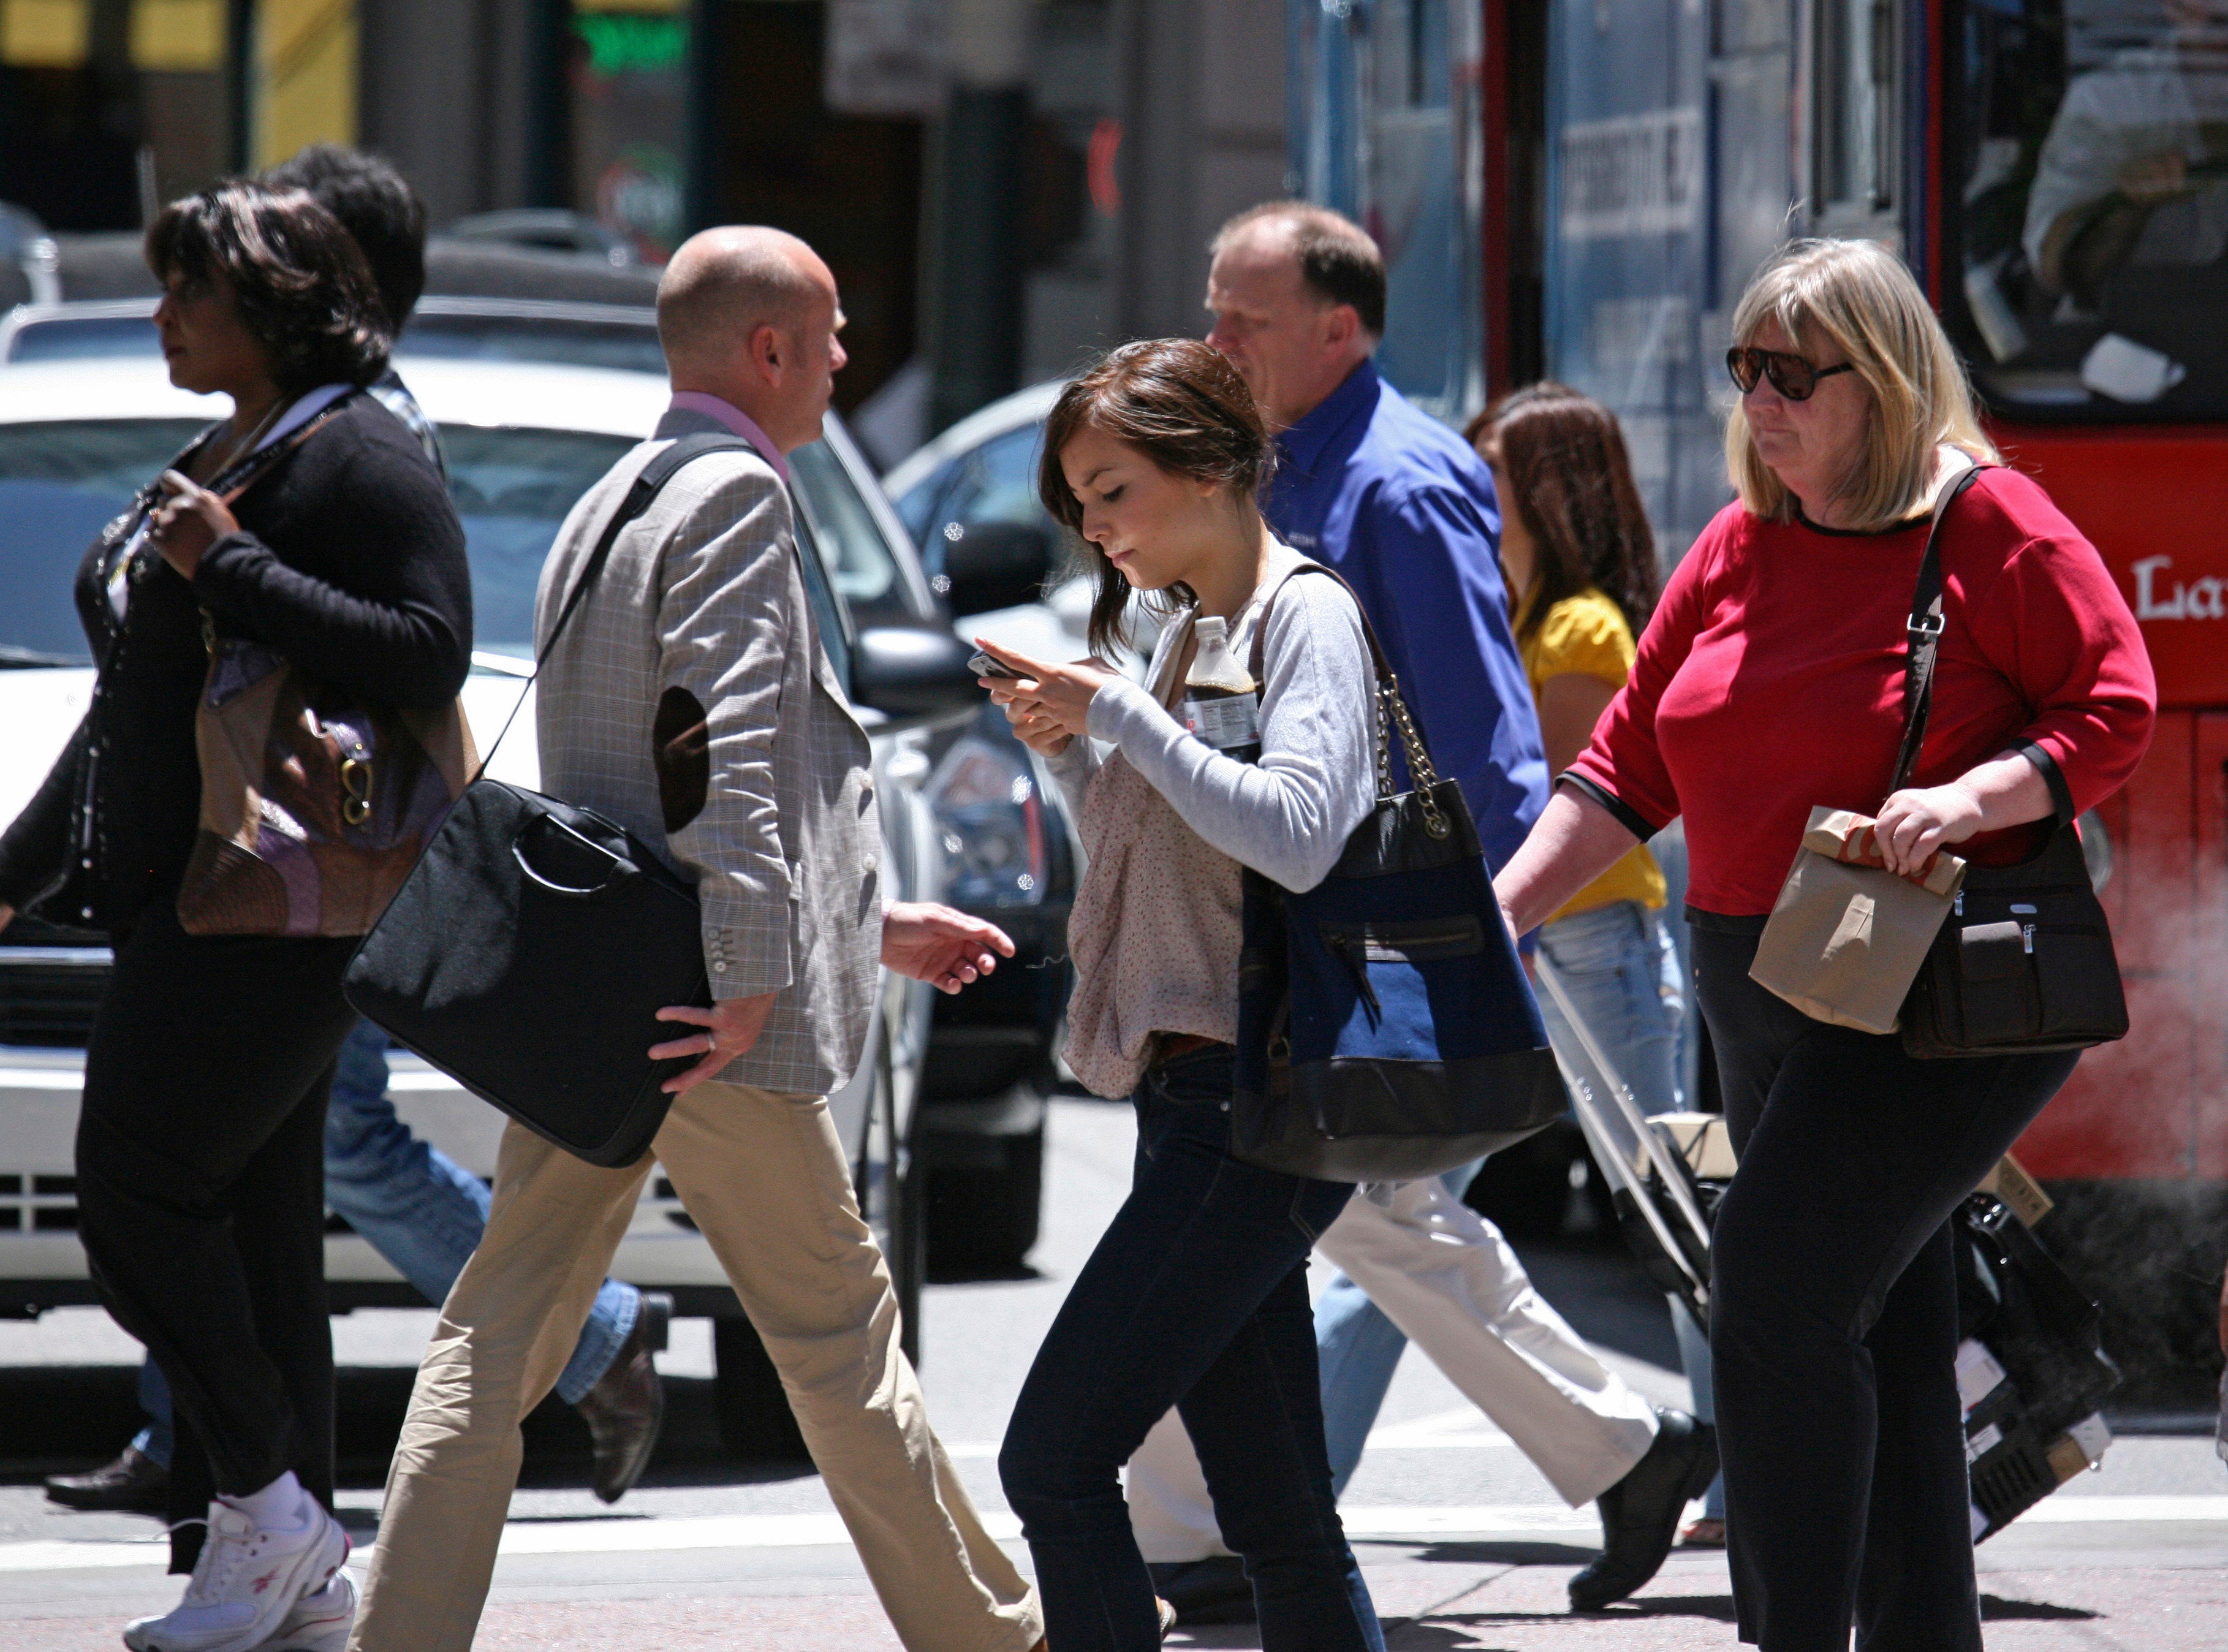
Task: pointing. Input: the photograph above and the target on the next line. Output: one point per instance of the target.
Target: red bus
(1580, 188)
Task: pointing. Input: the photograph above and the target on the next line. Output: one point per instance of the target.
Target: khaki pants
(765, 1177)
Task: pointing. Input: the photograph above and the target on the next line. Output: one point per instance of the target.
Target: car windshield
(2089, 191)
(994, 483)
(859, 564)
(512, 488)
(62, 482)
(575, 341)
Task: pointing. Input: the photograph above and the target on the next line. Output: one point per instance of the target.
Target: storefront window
(630, 115)
(2091, 196)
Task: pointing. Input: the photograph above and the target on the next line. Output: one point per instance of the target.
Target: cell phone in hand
(984, 666)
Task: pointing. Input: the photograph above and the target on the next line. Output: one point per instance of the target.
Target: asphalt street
(1464, 1544)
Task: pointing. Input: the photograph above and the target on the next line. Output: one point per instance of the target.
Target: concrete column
(446, 87)
(976, 317)
(1201, 85)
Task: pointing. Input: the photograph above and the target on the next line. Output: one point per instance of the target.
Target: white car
(80, 433)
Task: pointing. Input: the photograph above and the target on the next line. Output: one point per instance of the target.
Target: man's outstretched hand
(945, 948)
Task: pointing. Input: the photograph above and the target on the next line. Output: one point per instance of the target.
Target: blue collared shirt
(1372, 486)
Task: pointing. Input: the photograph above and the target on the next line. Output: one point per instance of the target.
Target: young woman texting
(1197, 1295)
(1770, 681)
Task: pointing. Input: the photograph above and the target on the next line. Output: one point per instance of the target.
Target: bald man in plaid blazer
(691, 700)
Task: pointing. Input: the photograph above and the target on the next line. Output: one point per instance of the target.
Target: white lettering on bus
(2206, 598)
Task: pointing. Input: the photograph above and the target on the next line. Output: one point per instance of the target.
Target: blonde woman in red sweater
(1770, 680)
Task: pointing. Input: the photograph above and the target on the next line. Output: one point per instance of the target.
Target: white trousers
(1447, 1278)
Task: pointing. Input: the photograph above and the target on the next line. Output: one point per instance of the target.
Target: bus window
(2087, 204)
(1855, 145)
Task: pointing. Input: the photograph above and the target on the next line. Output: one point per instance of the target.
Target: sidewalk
(2113, 1585)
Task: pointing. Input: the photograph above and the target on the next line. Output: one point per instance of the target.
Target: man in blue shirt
(1386, 494)
(1402, 507)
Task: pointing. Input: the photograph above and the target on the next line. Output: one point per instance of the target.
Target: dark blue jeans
(1196, 1297)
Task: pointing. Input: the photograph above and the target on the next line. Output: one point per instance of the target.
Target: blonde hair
(1859, 295)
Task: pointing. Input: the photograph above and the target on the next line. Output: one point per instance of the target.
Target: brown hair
(1339, 263)
(1181, 403)
(1570, 483)
(299, 279)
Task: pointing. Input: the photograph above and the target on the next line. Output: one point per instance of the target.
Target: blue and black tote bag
(1386, 1030)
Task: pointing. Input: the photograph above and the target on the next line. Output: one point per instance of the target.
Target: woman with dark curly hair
(311, 523)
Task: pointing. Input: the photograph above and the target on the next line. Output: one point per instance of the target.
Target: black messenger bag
(528, 952)
(2024, 963)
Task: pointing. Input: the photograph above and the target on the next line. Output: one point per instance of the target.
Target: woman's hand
(189, 519)
(1914, 823)
(2005, 791)
(1055, 700)
(7, 914)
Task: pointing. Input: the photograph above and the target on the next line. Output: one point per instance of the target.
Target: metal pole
(1672, 1173)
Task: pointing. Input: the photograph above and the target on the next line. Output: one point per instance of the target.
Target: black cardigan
(349, 562)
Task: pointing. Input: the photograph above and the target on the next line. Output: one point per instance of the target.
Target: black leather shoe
(134, 1482)
(626, 1408)
(1212, 1591)
(1639, 1513)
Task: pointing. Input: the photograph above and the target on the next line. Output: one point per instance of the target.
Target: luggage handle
(624, 871)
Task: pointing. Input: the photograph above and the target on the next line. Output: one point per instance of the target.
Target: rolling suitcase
(2031, 1369)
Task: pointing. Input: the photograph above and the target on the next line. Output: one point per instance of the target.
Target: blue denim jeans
(419, 1209)
(1620, 972)
(1196, 1297)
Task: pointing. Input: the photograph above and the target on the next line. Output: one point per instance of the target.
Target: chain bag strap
(1385, 1029)
(1392, 717)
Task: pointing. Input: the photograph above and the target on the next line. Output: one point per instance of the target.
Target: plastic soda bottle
(1221, 705)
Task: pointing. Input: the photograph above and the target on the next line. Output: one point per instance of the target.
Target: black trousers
(200, 1195)
(1833, 1321)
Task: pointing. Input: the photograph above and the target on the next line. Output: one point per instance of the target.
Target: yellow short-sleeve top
(1587, 634)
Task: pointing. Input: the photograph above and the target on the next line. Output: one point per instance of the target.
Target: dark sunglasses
(1791, 376)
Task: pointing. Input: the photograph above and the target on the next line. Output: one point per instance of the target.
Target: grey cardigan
(700, 617)
(1289, 816)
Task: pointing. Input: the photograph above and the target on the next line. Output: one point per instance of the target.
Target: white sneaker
(321, 1621)
(248, 1581)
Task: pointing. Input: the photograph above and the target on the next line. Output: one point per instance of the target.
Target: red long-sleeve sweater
(1771, 680)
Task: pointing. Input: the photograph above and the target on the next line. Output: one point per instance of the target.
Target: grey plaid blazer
(700, 614)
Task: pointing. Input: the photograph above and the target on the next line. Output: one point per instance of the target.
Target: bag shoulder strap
(646, 485)
(1258, 652)
(1924, 634)
(1391, 707)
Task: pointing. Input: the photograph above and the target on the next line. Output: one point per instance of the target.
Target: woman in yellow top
(1581, 564)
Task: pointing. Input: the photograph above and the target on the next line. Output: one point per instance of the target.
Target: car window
(994, 483)
(75, 337)
(860, 563)
(60, 484)
(513, 489)
(627, 346)
(623, 345)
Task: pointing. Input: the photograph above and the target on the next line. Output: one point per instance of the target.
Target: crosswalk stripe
(640, 1533)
